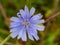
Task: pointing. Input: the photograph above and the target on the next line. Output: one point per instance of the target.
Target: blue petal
(22, 34)
(26, 12)
(13, 30)
(15, 24)
(32, 28)
(20, 17)
(32, 32)
(14, 34)
(24, 37)
(41, 21)
(36, 36)
(15, 19)
(16, 29)
(22, 14)
(30, 36)
(37, 21)
(40, 28)
(36, 17)
(32, 11)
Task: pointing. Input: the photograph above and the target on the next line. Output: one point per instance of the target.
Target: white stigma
(25, 23)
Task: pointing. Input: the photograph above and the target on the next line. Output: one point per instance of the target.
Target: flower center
(25, 23)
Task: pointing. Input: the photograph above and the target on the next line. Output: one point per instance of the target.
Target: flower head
(26, 23)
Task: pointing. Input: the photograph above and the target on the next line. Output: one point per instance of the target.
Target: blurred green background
(51, 34)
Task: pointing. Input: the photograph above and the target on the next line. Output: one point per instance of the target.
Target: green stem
(6, 39)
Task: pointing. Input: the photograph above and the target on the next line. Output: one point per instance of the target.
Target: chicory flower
(26, 23)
